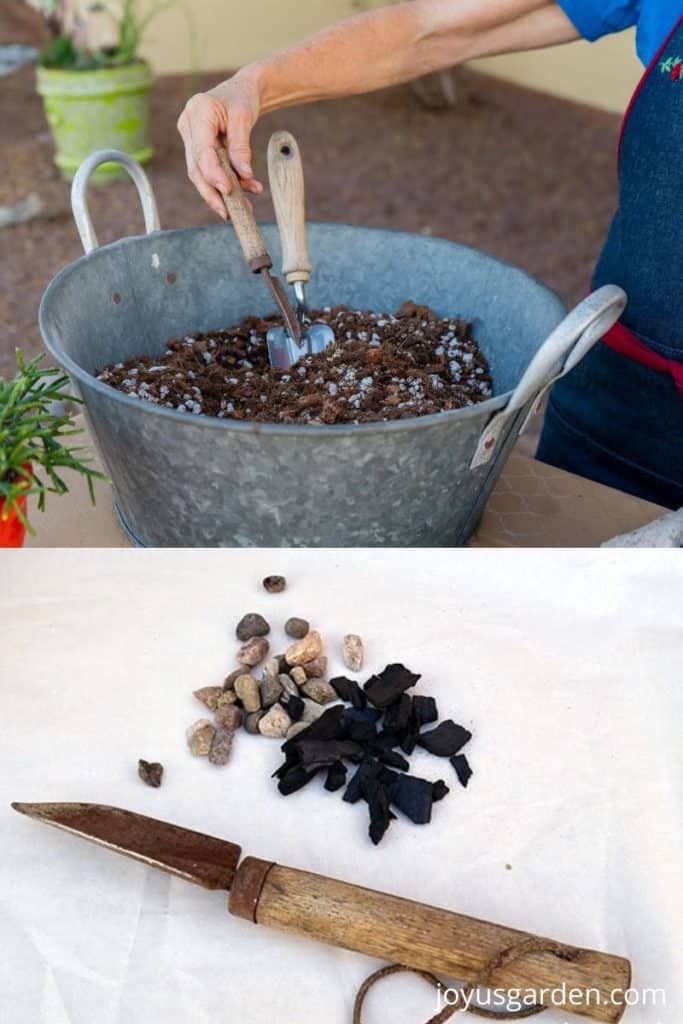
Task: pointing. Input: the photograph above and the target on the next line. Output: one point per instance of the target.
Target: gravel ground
(525, 176)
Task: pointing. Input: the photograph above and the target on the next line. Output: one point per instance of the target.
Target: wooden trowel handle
(426, 938)
(286, 175)
(246, 228)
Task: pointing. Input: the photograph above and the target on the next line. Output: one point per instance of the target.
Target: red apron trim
(646, 74)
(626, 343)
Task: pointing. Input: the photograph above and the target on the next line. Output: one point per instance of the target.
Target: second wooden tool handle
(246, 228)
(286, 175)
(426, 938)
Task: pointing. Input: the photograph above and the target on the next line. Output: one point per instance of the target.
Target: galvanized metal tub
(184, 480)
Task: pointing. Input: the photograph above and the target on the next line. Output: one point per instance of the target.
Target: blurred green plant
(32, 432)
(70, 50)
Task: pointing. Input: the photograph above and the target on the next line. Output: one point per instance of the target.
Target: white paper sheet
(566, 665)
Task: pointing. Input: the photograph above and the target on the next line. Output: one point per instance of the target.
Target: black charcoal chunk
(362, 732)
(386, 740)
(349, 690)
(397, 715)
(414, 797)
(462, 769)
(446, 740)
(393, 759)
(336, 776)
(295, 779)
(409, 742)
(425, 710)
(383, 689)
(295, 708)
(439, 790)
(320, 753)
(361, 783)
(381, 815)
(330, 726)
(363, 715)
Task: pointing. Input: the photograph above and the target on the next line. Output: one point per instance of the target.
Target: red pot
(12, 530)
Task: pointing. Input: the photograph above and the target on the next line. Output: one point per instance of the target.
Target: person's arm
(384, 47)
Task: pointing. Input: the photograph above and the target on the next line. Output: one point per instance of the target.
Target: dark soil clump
(381, 367)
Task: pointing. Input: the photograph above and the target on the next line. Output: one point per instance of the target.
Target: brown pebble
(251, 722)
(276, 723)
(229, 681)
(298, 674)
(274, 584)
(150, 772)
(221, 747)
(270, 689)
(295, 729)
(253, 651)
(296, 628)
(301, 651)
(312, 711)
(227, 697)
(316, 669)
(199, 737)
(247, 689)
(252, 624)
(320, 691)
(229, 717)
(271, 669)
(352, 652)
(289, 687)
(209, 695)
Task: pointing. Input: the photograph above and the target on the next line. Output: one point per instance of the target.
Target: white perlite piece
(666, 532)
(276, 723)
(352, 652)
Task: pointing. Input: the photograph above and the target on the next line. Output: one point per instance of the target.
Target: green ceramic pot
(103, 109)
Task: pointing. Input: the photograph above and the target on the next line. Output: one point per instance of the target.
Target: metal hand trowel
(259, 262)
(286, 174)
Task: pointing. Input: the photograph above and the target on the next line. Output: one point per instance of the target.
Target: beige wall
(229, 33)
(603, 74)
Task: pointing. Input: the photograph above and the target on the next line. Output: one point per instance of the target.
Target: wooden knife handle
(426, 938)
(286, 174)
(246, 228)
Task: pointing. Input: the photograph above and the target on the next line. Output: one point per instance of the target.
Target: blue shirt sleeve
(593, 20)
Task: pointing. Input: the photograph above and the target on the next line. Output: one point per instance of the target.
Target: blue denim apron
(618, 419)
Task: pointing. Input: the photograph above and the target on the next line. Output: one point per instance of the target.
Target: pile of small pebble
(289, 695)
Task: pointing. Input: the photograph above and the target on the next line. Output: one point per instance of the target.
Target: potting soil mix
(381, 367)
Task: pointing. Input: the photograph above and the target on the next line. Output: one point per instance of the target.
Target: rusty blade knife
(211, 863)
(414, 935)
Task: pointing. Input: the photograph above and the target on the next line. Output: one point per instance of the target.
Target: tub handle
(560, 353)
(79, 188)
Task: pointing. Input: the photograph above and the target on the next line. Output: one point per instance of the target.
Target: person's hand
(224, 116)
